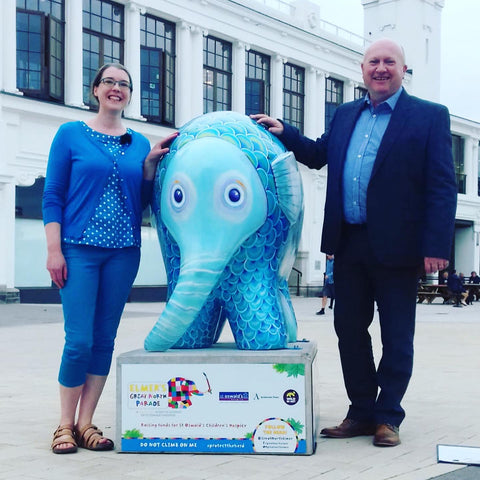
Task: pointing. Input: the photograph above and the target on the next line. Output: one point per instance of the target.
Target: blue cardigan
(77, 172)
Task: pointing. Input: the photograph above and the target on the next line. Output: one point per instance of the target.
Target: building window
(257, 83)
(40, 48)
(157, 57)
(458, 149)
(28, 200)
(333, 98)
(359, 93)
(102, 39)
(28, 203)
(293, 95)
(217, 75)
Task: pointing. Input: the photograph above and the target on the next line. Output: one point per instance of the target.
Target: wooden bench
(474, 290)
(428, 293)
(429, 297)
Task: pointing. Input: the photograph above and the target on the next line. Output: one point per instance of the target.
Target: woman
(99, 178)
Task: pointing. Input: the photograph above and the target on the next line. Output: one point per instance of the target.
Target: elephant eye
(178, 196)
(234, 194)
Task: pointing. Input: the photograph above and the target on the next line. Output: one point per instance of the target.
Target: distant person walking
(328, 285)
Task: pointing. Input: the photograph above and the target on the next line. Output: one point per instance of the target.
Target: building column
(349, 90)
(322, 76)
(183, 74)
(196, 79)
(238, 80)
(476, 246)
(276, 102)
(8, 43)
(471, 167)
(132, 57)
(73, 50)
(311, 95)
(8, 294)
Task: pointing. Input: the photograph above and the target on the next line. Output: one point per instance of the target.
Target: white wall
(416, 25)
(464, 251)
(152, 269)
(31, 256)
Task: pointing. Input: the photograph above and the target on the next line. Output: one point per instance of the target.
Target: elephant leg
(205, 329)
(256, 320)
(288, 311)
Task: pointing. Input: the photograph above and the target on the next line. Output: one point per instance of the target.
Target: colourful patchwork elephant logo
(180, 390)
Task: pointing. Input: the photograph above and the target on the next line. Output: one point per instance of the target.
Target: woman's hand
(271, 124)
(57, 267)
(158, 151)
(56, 264)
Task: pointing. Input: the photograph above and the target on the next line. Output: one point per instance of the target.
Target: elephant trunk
(195, 283)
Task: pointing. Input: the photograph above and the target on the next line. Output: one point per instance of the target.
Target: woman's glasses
(110, 82)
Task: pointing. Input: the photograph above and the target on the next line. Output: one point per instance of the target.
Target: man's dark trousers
(360, 281)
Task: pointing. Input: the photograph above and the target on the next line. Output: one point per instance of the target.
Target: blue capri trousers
(98, 283)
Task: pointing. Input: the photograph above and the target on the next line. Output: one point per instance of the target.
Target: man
(474, 278)
(328, 285)
(456, 286)
(390, 209)
(473, 293)
(443, 278)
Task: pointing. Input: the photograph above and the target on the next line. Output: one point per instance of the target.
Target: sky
(460, 58)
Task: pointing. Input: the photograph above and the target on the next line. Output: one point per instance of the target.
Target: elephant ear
(290, 199)
(168, 245)
(289, 186)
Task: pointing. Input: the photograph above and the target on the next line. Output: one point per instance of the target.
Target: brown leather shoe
(386, 436)
(349, 428)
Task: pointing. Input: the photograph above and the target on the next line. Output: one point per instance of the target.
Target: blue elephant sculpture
(228, 204)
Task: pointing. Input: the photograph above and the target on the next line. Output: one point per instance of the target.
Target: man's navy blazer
(411, 196)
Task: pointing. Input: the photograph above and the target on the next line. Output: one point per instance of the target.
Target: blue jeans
(98, 283)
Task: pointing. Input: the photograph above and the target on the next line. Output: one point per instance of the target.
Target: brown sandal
(90, 437)
(64, 434)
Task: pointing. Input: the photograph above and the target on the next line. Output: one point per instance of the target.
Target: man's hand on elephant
(271, 124)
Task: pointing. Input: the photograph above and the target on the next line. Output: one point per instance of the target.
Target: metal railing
(299, 275)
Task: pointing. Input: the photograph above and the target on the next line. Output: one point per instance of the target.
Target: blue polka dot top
(111, 224)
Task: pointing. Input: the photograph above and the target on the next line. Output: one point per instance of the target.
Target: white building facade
(188, 57)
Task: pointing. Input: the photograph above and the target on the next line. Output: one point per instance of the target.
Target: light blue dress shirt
(362, 151)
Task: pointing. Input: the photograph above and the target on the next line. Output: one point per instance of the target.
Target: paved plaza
(442, 405)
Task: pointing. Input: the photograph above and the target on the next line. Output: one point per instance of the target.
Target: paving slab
(441, 404)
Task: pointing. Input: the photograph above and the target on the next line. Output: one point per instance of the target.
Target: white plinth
(217, 400)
